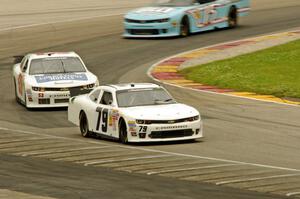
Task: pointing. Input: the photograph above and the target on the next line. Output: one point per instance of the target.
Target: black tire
(184, 27)
(84, 125)
(123, 132)
(16, 95)
(232, 18)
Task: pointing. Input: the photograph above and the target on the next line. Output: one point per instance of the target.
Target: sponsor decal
(28, 92)
(133, 133)
(150, 10)
(131, 129)
(131, 124)
(171, 127)
(60, 96)
(205, 16)
(114, 117)
(60, 77)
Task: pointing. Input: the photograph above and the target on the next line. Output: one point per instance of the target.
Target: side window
(25, 66)
(107, 98)
(95, 95)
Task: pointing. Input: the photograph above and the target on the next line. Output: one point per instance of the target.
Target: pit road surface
(240, 131)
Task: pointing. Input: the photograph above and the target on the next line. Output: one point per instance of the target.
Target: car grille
(146, 21)
(44, 101)
(143, 31)
(167, 121)
(57, 101)
(61, 89)
(171, 134)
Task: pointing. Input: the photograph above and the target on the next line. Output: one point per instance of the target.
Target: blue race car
(167, 18)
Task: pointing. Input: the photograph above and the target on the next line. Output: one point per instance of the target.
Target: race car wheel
(184, 27)
(83, 125)
(232, 18)
(16, 95)
(123, 132)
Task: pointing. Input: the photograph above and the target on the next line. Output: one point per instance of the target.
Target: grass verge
(273, 71)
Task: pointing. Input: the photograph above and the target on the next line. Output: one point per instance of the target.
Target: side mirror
(18, 59)
(110, 102)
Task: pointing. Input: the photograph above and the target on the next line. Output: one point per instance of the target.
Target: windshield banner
(60, 77)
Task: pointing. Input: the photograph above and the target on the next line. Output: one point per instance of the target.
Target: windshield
(173, 2)
(130, 98)
(56, 65)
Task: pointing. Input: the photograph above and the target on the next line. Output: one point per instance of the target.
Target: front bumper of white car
(47, 99)
(50, 97)
(165, 132)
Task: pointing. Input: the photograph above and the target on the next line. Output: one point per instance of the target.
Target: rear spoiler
(79, 91)
(18, 58)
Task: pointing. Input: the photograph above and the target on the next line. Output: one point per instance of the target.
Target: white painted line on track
(190, 169)
(219, 159)
(127, 159)
(257, 179)
(62, 151)
(56, 22)
(158, 151)
(21, 140)
(293, 194)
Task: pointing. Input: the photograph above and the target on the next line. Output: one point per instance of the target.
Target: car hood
(62, 80)
(152, 13)
(160, 112)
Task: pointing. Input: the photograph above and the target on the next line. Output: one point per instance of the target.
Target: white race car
(139, 112)
(44, 79)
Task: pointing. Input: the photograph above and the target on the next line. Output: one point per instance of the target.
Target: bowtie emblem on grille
(171, 122)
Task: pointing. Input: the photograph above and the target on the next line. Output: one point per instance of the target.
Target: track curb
(166, 70)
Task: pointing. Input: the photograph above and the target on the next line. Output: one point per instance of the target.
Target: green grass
(274, 71)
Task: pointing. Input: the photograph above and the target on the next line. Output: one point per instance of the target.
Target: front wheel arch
(84, 124)
(232, 17)
(123, 133)
(184, 28)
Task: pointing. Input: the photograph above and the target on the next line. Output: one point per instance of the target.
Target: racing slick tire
(184, 27)
(232, 18)
(84, 125)
(16, 95)
(123, 136)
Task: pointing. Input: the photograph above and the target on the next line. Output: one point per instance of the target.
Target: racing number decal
(104, 114)
(204, 17)
(143, 129)
(210, 14)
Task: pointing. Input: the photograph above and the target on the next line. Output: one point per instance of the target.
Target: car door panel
(204, 14)
(103, 116)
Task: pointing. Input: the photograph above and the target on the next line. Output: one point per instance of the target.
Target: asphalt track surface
(266, 135)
